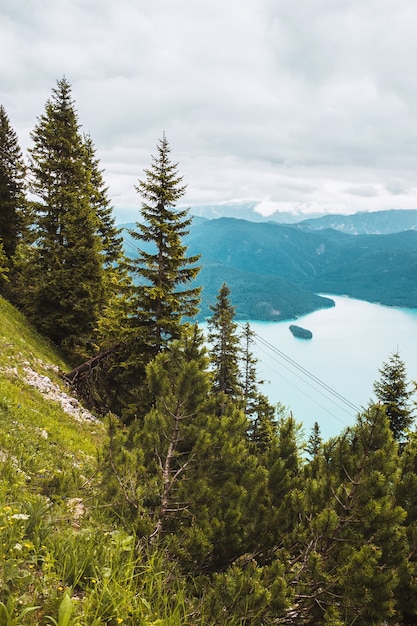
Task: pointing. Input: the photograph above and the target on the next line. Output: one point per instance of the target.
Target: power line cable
(304, 392)
(312, 378)
(305, 372)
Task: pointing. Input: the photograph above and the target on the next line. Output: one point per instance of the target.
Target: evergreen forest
(145, 479)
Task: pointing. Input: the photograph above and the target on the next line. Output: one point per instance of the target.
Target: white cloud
(296, 104)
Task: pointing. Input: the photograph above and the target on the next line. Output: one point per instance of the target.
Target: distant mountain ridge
(275, 271)
(366, 223)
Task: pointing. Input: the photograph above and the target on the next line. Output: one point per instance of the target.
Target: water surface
(350, 343)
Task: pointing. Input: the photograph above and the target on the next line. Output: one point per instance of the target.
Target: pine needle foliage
(163, 271)
(65, 278)
(394, 391)
(12, 186)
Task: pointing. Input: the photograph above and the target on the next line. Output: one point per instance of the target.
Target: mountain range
(276, 271)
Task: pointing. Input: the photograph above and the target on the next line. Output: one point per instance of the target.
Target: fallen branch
(81, 371)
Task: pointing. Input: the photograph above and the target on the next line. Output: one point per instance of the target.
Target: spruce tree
(406, 488)
(65, 280)
(164, 295)
(12, 187)
(350, 535)
(393, 391)
(111, 238)
(314, 443)
(225, 348)
(250, 378)
(4, 269)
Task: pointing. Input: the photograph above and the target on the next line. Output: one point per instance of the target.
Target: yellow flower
(119, 620)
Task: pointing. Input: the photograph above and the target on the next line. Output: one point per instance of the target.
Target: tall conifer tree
(225, 346)
(65, 299)
(12, 187)
(111, 238)
(164, 296)
(393, 391)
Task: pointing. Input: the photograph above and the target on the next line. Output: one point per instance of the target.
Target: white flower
(20, 516)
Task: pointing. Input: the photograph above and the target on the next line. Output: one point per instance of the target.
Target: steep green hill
(275, 271)
(63, 559)
(37, 414)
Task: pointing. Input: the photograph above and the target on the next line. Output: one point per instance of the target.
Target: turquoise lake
(350, 343)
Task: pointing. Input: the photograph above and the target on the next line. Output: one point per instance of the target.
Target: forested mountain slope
(275, 270)
(257, 532)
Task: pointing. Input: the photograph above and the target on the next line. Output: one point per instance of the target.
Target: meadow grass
(62, 560)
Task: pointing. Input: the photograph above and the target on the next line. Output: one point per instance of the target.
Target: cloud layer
(298, 105)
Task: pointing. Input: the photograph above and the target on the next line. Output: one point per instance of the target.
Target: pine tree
(406, 488)
(12, 187)
(117, 285)
(178, 382)
(350, 535)
(111, 238)
(164, 296)
(68, 286)
(314, 441)
(250, 378)
(225, 348)
(263, 427)
(4, 268)
(393, 391)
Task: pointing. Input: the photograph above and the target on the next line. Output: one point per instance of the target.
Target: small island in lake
(301, 333)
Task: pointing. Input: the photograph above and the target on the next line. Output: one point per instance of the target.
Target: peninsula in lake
(275, 271)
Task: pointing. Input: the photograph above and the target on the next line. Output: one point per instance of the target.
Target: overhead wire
(303, 391)
(306, 377)
(300, 372)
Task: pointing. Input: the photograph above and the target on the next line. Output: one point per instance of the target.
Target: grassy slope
(61, 554)
(35, 430)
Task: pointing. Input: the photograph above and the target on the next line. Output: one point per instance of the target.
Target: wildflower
(119, 620)
(20, 516)
(17, 546)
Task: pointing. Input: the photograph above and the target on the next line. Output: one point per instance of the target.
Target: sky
(298, 105)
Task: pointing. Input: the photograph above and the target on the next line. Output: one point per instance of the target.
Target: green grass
(57, 566)
(19, 341)
(42, 439)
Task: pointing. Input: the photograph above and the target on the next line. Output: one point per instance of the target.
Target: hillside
(80, 502)
(37, 412)
(241, 254)
(64, 560)
(275, 271)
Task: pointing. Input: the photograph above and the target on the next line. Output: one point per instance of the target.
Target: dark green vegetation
(301, 333)
(275, 270)
(193, 514)
(377, 268)
(260, 289)
(190, 499)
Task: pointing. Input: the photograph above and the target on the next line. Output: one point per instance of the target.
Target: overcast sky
(296, 104)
